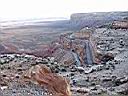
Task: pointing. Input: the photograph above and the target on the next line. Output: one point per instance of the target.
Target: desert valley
(86, 55)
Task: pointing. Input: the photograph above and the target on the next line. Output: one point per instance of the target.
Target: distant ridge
(94, 19)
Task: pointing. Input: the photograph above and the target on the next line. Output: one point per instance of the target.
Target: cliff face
(80, 20)
(76, 48)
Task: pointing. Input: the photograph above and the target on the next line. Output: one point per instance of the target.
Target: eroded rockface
(76, 48)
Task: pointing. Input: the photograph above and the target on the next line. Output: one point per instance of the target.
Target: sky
(21, 9)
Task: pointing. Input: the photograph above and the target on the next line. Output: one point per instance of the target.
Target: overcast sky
(20, 9)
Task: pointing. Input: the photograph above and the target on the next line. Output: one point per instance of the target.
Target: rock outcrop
(41, 74)
(120, 24)
(78, 47)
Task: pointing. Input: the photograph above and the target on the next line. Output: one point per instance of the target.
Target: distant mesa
(81, 20)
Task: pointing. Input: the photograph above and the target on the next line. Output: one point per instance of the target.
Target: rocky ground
(105, 79)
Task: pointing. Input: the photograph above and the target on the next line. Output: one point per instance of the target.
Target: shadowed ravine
(76, 58)
(88, 52)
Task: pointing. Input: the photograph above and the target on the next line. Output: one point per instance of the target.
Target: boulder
(122, 89)
(94, 68)
(120, 24)
(121, 80)
(107, 57)
(43, 76)
(81, 90)
(2, 61)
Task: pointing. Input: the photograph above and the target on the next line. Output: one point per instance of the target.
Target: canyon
(87, 54)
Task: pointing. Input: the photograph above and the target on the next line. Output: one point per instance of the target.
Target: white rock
(4, 87)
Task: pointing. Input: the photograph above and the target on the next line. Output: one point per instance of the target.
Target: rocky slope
(16, 71)
(108, 78)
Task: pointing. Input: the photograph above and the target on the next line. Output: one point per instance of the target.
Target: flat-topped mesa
(95, 19)
(81, 45)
